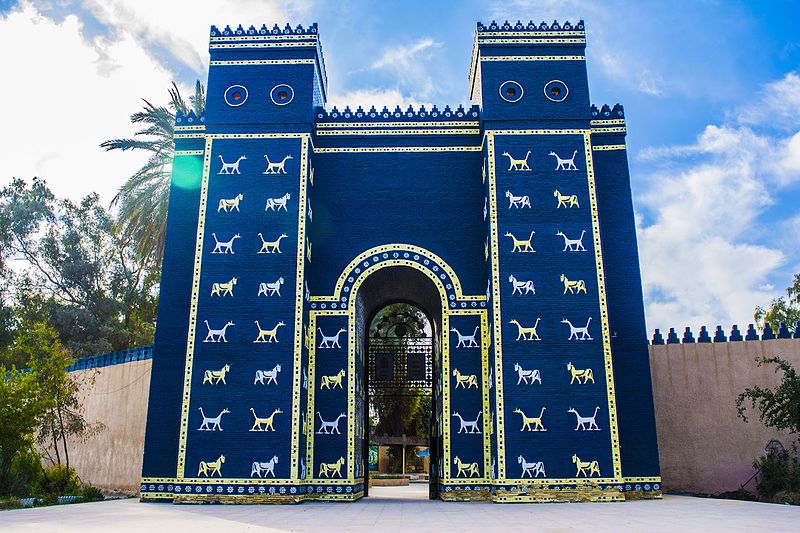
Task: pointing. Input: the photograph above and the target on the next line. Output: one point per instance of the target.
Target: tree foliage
(63, 417)
(21, 410)
(406, 411)
(144, 198)
(77, 272)
(779, 475)
(784, 309)
(398, 320)
(778, 408)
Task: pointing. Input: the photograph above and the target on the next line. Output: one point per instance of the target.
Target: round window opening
(511, 91)
(281, 94)
(235, 95)
(556, 91)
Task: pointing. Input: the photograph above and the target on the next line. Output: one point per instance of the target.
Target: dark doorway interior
(398, 320)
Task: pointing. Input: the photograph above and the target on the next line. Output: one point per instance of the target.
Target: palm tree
(144, 198)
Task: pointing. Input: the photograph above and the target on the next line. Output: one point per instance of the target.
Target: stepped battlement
(607, 113)
(287, 43)
(189, 120)
(421, 114)
(735, 335)
(530, 26)
(264, 31)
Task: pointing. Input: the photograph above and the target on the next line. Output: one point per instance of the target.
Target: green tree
(144, 198)
(398, 320)
(778, 408)
(63, 416)
(784, 309)
(405, 410)
(82, 277)
(22, 408)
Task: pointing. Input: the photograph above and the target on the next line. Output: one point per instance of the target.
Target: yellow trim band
(608, 147)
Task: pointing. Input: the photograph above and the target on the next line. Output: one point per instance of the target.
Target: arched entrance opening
(398, 324)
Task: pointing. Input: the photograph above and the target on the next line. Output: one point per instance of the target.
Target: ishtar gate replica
(509, 224)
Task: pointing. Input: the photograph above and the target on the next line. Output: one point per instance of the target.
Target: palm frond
(198, 101)
(126, 144)
(143, 199)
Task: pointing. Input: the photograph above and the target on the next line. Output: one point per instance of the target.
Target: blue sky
(711, 91)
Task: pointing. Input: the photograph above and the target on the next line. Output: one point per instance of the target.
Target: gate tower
(510, 222)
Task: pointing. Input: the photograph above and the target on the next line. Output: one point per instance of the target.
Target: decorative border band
(476, 131)
(241, 62)
(608, 147)
(532, 58)
(609, 130)
(397, 149)
(472, 124)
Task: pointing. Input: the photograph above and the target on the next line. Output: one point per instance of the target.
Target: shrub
(780, 473)
(90, 493)
(47, 499)
(26, 472)
(60, 480)
(5, 505)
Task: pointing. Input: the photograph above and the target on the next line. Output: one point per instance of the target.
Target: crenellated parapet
(735, 335)
(608, 127)
(533, 71)
(142, 353)
(421, 114)
(289, 45)
(264, 31)
(191, 119)
(530, 26)
(607, 113)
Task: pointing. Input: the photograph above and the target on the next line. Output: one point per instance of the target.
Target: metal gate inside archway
(402, 396)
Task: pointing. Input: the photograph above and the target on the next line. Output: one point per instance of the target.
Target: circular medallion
(235, 95)
(556, 91)
(511, 91)
(281, 94)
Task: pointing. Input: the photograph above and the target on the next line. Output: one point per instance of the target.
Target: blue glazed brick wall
(450, 194)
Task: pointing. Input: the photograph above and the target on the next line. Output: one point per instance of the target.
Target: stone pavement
(402, 509)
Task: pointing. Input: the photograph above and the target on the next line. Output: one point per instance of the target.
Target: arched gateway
(510, 224)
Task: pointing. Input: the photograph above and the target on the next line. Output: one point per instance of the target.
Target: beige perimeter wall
(112, 459)
(704, 446)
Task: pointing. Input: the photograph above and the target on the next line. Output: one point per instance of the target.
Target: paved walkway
(400, 509)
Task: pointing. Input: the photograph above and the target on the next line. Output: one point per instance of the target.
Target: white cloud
(609, 32)
(182, 26)
(704, 257)
(374, 97)
(777, 105)
(75, 92)
(400, 58)
(409, 67)
(64, 95)
(627, 69)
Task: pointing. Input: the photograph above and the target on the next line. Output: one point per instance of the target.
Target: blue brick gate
(509, 223)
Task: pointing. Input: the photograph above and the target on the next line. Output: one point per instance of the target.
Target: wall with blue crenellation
(695, 386)
(509, 221)
(735, 335)
(704, 446)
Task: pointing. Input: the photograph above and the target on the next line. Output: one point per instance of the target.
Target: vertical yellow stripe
(190, 337)
(298, 312)
(601, 290)
(494, 257)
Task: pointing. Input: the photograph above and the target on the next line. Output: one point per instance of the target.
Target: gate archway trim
(399, 254)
